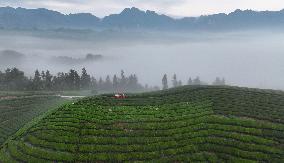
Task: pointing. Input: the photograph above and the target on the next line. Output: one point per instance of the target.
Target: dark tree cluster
(195, 81)
(219, 81)
(14, 79)
(120, 83)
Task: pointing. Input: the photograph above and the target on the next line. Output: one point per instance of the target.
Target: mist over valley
(251, 58)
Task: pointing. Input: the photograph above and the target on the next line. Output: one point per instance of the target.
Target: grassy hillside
(204, 123)
(18, 108)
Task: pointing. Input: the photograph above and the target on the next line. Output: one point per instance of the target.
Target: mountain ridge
(134, 18)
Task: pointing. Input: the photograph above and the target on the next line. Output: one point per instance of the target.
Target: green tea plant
(17, 111)
(186, 124)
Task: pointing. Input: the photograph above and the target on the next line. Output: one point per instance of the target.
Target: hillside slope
(17, 109)
(198, 123)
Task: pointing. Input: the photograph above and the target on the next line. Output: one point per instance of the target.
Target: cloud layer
(170, 7)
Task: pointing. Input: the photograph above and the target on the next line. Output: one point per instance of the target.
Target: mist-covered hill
(134, 18)
(11, 57)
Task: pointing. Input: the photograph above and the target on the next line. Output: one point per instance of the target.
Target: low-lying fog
(253, 59)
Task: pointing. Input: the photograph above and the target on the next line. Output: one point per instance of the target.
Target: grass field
(18, 108)
(187, 124)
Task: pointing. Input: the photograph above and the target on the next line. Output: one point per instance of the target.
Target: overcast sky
(178, 8)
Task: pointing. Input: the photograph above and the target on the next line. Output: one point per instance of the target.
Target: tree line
(195, 81)
(15, 79)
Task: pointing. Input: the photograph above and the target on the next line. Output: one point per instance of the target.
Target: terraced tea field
(187, 124)
(18, 109)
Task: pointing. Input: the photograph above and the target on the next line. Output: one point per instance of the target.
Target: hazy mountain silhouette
(8, 57)
(133, 18)
(43, 18)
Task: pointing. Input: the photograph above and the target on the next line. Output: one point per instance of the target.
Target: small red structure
(119, 96)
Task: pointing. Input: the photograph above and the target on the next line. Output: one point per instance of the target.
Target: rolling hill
(186, 124)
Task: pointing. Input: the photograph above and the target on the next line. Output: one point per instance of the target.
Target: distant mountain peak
(132, 11)
(137, 11)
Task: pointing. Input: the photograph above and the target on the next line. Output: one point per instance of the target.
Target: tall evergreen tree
(123, 81)
(61, 81)
(223, 82)
(175, 82)
(189, 82)
(217, 81)
(42, 75)
(43, 80)
(48, 80)
(73, 80)
(165, 82)
(77, 81)
(196, 81)
(37, 83)
(85, 79)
